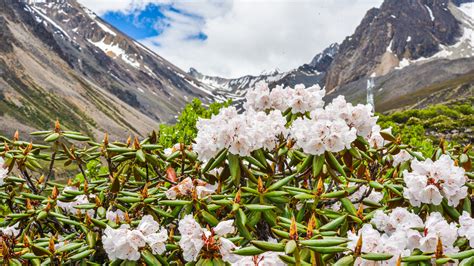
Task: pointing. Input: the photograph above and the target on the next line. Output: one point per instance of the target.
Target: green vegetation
(184, 131)
(453, 121)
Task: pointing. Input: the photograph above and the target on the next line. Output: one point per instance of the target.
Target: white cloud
(248, 37)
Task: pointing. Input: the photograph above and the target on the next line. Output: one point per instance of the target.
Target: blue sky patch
(138, 24)
(149, 22)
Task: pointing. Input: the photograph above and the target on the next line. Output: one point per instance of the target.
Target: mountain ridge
(61, 51)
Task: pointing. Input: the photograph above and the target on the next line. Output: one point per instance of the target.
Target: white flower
(359, 117)
(239, 133)
(371, 239)
(268, 258)
(125, 244)
(466, 228)
(315, 136)
(375, 139)
(3, 171)
(148, 225)
(191, 240)
(11, 230)
(226, 248)
(114, 216)
(300, 99)
(430, 182)
(402, 156)
(437, 227)
(113, 241)
(224, 228)
(157, 241)
(194, 238)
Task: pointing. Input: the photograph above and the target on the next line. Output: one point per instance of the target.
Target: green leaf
(82, 255)
(290, 247)
(334, 224)
(234, 166)
(210, 219)
(248, 251)
(140, 156)
(376, 256)
(335, 164)
(149, 258)
(345, 261)
(52, 137)
(326, 242)
(461, 255)
(174, 202)
(281, 183)
(347, 204)
(318, 162)
(40, 251)
(258, 207)
(76, 137)
(328, 250)
(416, 258)
(268, 246)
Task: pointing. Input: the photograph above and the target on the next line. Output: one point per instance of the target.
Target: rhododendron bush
(288, 180)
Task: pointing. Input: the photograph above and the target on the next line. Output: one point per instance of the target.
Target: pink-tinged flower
(315, 136)
(125, 244)
(194, 238)
(157, 241)
(186, 187)
(429, 182)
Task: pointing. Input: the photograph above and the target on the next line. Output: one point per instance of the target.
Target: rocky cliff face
(58, 59)
(398, 29)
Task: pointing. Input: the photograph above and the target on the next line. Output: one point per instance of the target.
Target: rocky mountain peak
(323, 60)
(397, 30)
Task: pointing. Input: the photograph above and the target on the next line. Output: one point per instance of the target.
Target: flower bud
(293, 229)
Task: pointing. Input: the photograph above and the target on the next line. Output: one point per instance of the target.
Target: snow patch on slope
(115, 51)
(431, 12)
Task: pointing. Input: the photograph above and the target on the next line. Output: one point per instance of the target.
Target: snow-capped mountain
(420, 52)
(58, 59)
(311, 73)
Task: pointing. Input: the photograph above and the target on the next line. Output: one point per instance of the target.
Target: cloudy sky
(231, 38)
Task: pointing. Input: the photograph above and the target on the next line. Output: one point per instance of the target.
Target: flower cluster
(3, 171)
(334, 127)
(430, 182)
(315, 136)
(466, 228)
(360, 117)
(401, 234)
(194, 238)
(300, 99)
(240, 133)
(187, 187)
(124, 243)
